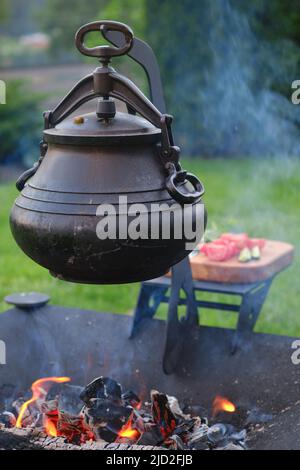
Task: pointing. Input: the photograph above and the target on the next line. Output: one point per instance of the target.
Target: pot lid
(88, 129)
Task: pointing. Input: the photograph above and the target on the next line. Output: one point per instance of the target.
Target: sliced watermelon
(229, 245)
(232, 247)
(218, 252)
(259, 242)
(202, 248)
(240, 239)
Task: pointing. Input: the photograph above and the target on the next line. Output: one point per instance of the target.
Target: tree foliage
(248, 52)
(273, 19)
(21, 123)
(131, 12)
(4, 10)
(61, 19)
(226, 65)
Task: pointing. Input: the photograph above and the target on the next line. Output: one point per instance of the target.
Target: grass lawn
(261, 197)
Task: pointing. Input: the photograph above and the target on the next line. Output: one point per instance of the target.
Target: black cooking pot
(77, 214)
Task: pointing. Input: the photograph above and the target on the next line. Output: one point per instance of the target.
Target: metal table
(154, 292)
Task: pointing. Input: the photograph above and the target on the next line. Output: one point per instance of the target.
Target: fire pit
(72, 378)
(101, 414)
(260, 379)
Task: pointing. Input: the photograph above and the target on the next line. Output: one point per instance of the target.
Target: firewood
(34, 439)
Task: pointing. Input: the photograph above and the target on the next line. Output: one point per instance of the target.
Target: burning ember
(103, 412)
(128, 432)
(40, 390)
(50, 427)
(222, 404)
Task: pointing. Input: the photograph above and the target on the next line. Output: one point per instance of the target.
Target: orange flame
(39, 389)
(222, 404)
(50, 427)
(128, 432)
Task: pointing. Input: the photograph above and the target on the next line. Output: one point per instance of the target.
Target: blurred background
(227, 67)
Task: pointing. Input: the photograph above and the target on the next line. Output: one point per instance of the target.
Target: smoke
(237, 113)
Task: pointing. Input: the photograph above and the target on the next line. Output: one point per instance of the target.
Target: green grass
(261, 197)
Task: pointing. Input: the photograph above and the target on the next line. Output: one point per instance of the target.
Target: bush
(20, 124)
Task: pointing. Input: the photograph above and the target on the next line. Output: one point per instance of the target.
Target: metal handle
(143, 54)
(176, 182)
(106, 82)
(22, 180)
(104, 52)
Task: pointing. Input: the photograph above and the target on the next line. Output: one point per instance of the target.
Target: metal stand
(142, 53)
(154, 292)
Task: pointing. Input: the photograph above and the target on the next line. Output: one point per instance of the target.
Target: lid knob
(106, 108)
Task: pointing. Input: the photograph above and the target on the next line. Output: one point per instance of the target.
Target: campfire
(103, 413)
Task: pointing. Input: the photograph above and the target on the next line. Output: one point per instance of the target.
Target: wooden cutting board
(275, 256)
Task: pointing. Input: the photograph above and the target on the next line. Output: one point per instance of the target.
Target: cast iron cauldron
(91, 160)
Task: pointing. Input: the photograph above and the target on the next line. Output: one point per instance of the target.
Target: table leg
(149, 299)
(250, 309)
